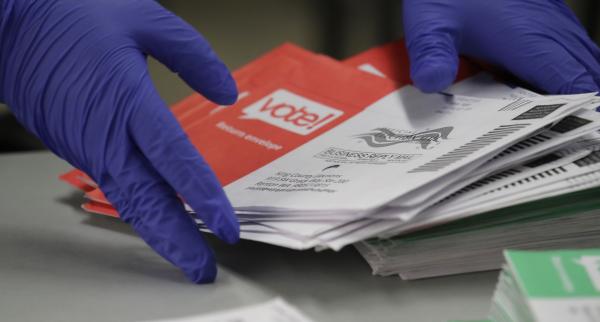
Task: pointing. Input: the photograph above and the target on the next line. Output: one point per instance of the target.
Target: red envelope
(392, 60)
(290, 96)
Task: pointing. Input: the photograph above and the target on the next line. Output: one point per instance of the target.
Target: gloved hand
(74, 72)
(539, 41)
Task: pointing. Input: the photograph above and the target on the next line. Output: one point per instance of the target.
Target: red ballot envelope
(195, 107)
(100, 208)
(78, 179)
(290, 96)
(392, 61)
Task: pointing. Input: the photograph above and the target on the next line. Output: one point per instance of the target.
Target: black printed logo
(383, 137)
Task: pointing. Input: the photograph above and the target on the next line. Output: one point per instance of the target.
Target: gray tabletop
(58, 263)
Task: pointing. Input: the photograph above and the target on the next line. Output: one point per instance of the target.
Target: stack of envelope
(322, 154)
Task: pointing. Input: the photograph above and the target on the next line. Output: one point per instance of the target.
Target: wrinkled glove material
(74, 72)
(539, 41)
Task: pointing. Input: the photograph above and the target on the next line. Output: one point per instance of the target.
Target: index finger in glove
(146, 202)
(166, 146)
(431, 36)
(184, 50)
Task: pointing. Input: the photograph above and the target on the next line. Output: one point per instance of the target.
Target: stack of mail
(476, 243)
(556, 203)
(321, 154)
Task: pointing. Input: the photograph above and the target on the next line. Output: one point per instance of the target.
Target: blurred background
(242, 30)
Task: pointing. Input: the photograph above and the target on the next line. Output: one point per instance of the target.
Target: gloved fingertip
(229, 228)
(579, 88)
(197, 263)
(433, 77)
(202, 275)
(219, 216)
(584, 83)
(228, 93)
(221, 90)
(232, 236)
(183, 247)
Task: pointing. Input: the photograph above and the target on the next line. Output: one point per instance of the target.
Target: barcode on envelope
(469, 148)
(534, 180)
(505, 175)
(523, 145)
(569, 123)
(538, 112)
(538, 178)
(516, 105)
(565, 125)
(486, 181)
(590, 159)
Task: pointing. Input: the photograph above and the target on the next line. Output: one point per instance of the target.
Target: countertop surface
(58, 263)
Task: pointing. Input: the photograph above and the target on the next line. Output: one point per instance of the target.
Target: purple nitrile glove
(74, 72)
(539, 41)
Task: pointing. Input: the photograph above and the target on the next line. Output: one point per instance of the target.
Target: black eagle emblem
(382, 137)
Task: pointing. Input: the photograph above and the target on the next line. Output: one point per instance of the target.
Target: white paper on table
(444, 123)
(276, 310)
